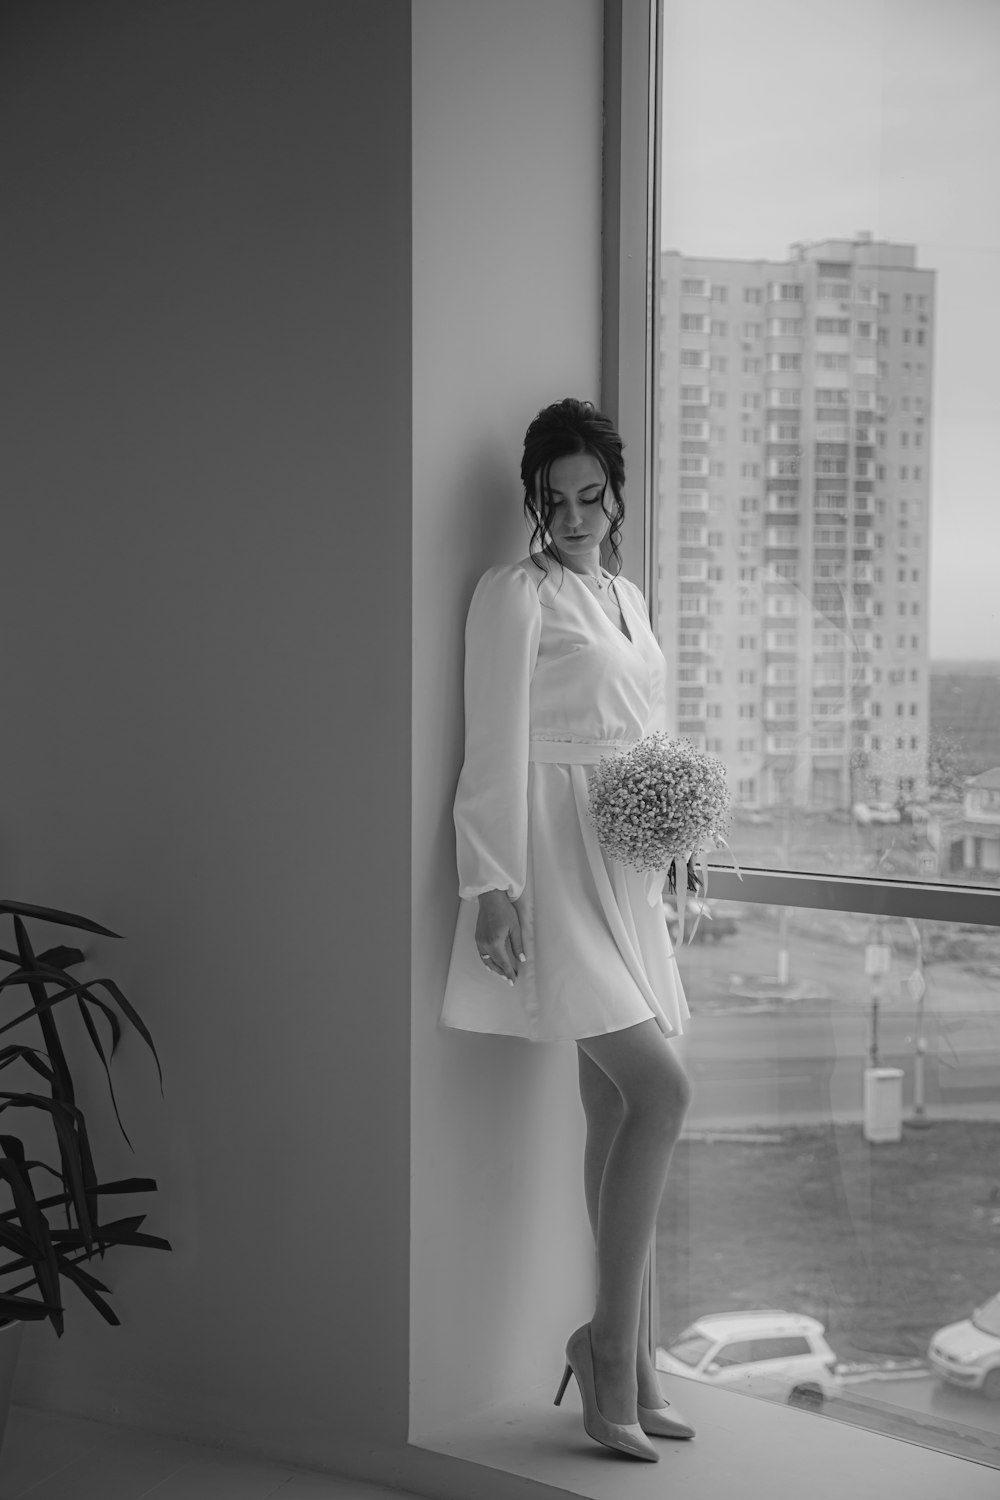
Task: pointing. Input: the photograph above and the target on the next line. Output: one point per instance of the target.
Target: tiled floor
(47, 1457)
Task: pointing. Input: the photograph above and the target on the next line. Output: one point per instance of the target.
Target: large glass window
(861, 434)
(826, 424)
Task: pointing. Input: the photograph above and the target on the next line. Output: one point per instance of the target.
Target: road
(774, 1068)
(759, 1052)
(770, 1060)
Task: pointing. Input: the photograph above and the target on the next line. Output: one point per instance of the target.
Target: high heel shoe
(623, 1437)
(663, 1421)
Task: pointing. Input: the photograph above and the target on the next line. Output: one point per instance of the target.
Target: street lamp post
(783, 962)
(878, 960)
(918, 989)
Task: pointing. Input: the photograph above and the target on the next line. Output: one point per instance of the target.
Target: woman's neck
(588, 563)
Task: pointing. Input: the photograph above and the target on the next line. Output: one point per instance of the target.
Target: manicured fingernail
(521, 957)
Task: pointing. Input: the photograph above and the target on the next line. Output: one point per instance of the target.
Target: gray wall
(206, 729)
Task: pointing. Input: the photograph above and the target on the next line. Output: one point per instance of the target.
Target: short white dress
(551, 685)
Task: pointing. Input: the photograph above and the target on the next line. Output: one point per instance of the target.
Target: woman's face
(579, 524)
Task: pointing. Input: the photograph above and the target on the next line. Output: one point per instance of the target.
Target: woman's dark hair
(564, 428)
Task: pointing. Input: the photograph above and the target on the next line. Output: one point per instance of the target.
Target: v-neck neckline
(625, 635)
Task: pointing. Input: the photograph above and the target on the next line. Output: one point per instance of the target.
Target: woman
(555, 941)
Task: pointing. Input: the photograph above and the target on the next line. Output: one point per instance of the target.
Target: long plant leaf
(74, 1152)
(83, 1281)
(135, 1018)
(71, 1144)
(31, 1055)
(124, 1185)
(60, 918)
(46, 1269)
(12, 1237)
(13, 1146)
(46, 1002)
(83, 998)
(116, 1033)
(25, 1309)
(61, 957)
(116, 1231)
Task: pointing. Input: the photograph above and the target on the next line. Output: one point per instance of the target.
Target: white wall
(507, 121)
(206, 476)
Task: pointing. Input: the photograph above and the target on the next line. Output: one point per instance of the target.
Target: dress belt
(575, 752)
(586, 753)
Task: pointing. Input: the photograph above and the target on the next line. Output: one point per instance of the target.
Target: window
(839, 433)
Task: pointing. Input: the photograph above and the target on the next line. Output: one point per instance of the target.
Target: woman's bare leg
(655, 1095)
(603, 1108)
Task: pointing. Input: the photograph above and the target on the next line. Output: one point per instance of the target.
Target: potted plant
(45, 1251)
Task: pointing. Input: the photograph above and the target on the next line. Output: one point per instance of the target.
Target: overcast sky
(790, 120)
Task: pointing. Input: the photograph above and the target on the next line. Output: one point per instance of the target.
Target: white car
(781, 1356)
(883, 812)
(968, 1353)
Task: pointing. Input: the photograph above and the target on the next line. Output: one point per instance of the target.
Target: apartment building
(791, 536)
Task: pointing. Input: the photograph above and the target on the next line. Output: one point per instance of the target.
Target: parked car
(778, 1355)
(710, 929)
(883, 812)
(968, 1353)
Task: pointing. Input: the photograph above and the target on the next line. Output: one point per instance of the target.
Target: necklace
(594, 579)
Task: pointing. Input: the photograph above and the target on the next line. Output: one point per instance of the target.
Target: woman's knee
(668, 1101)
(641, 1063)
(683, 1093)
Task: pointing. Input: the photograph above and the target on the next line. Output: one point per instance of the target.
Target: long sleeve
(491, 802)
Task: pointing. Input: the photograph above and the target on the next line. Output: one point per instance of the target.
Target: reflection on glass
(830, 1228)
(827, 429)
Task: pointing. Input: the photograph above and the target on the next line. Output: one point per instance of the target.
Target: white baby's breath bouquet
(660, 801)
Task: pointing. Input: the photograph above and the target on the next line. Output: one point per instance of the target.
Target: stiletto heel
(624, 1437)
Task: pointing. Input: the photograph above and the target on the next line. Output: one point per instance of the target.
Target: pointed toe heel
(663, 1421)
(623, 1437)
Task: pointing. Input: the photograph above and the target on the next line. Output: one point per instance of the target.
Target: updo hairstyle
(567, 427)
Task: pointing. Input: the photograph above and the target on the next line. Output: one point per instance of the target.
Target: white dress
(551, 684)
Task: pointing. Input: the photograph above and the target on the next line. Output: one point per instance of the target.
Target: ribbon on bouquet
(694, 863)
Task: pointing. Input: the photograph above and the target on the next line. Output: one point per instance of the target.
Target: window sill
(757, 1449)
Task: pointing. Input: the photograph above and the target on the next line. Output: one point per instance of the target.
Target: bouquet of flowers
(659, 801)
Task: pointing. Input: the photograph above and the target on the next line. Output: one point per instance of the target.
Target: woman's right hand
(498, 934)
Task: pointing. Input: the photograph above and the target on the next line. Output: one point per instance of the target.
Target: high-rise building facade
(791, 536)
